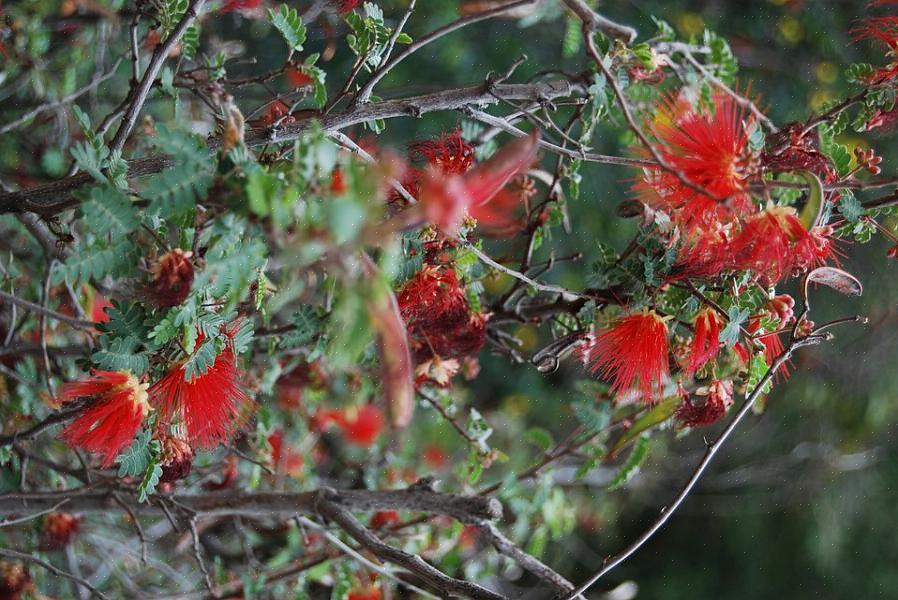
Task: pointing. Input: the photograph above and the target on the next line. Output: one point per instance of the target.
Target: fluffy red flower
(58, 530)
(172, 278)
(883, 29)
(632, 352)
(705, 339)
(774, 243)
(439, 320)
(345, 6)
(175, 458)
(108, 424)
(285, 458)
(361, 426)
(211, 406)
(705, 254)
(368, 592)
(297, 77)
(447, 197)
(710, 148)
(231, 5)
(14, 580)
(717, 398)
(449, 153)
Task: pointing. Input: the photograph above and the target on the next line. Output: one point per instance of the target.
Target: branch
(77, 323)
(62, 101)
(435, 578)
(54, 570)
(365, 93)
(711, 450)
(593, 21)
(55, 197)
(149, 77)
(466, 509)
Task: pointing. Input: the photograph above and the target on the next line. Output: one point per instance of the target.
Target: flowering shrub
(244, 316)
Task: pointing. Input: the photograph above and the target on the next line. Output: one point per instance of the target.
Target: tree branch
(596, 22)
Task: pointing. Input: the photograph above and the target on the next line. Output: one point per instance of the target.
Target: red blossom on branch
(361, 426)
(710, 148)
(632, 352)
(247, 5)
(172, 278)
(211, 406)
(108, 424)
(718, 397)
(449, 153)
(58, 531)
(705, 339)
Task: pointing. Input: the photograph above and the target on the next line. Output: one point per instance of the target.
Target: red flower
(361, 426)
(384, 518)
(284, 458)
(172, 278)
(435, 457)
(14, 580)
(450, 153)
(230, 5)
(710, 148)
(705, 339)
(338, 182)
(883, 29)
(277, 111)
(718, 398)
(632, 352)
(780, 308)
(211, 406)
(705, 254)
(176, 459)
(297, 77)
(59, 529)
(97, 308)
(447, 197)
(774, 243)
(345, 6)
(108, 424)
(439, 321)
(368, 592)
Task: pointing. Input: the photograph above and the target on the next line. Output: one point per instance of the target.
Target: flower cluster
(440, 322)
(209, 407)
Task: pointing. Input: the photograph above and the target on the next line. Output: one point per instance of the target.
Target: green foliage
(109, 210)
(631, 466)
(135, 460)
(288, 22)
(121, 354)
(115, 258)
(736, 318)
(306, 324)
(150, 480)
(721, 59)
(202, 359)
(369, 36)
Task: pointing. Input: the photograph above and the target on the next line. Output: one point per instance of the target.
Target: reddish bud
(172, 278)
(176, 459)
(59, 529)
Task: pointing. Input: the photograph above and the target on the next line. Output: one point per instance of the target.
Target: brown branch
(464, 508)
(53, 569)
(140, 95)
(37, 308)
(435, 579)
(55, 197)
(593, 21)
(710, 452)
(365, 93)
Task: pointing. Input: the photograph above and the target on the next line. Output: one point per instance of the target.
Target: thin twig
(53, 569)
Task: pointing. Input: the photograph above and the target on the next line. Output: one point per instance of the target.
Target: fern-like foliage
(288, 22)
(121, 354)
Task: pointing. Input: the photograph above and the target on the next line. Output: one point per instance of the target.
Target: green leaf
(850, 207)
(175, 192)
(108, 210)
(100, 260)
(539, 437)
(150, 480)
(190, 42)
(593, 417)
(307, 326)
(655, 416)
(729, 335)
(631, 465)
(125, 319)
(289, 23)
(202, 358)
(120, 355)
(813, 210)
(135, 460)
